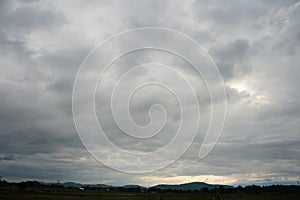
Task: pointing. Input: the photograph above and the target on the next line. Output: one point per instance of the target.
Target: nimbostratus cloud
(254, 45)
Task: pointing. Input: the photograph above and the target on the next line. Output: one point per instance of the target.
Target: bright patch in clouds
(242, 86)
(239, 86)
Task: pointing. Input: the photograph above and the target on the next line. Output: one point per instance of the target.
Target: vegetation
(35, 190)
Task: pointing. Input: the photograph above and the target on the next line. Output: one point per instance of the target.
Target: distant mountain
(189, 186)
(185, 186)
(269, 183)
(98, 185)
(132, 186)
(72, 184)
(78, 185)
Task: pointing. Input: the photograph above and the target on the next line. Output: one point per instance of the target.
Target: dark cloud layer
(255, 45)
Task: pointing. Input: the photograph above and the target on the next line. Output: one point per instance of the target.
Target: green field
(72, 194)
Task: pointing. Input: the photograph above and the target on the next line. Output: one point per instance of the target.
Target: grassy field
(69, 194)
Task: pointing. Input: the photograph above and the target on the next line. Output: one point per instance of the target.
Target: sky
(255, 45)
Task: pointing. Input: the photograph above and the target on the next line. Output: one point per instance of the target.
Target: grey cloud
(253, 42)
(232, 58)
(21, 17)
(8, 157)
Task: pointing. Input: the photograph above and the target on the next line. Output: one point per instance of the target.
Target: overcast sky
(255, 44)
